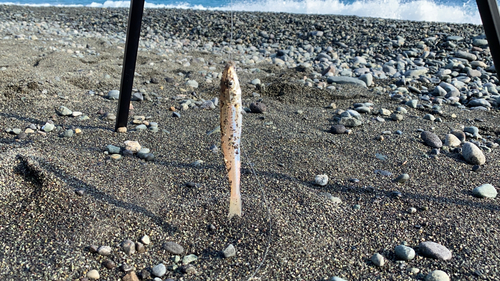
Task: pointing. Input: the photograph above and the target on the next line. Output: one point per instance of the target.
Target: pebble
(459, 134)
(192, 83)
(321, 180)
(64, 111)
(431, 139)
(437, 275)
(434, 250)
(176, 114)
(429, 117)
(115, 156)
(402, 178)
(159, 270)
(131, 276)
(173, 248)
(229, 251)
(336, 278)
(104, 250)
(378, 260)
(133, 146)
(93, 274)
(113, 95)
(141, 127)
(139, 247)
(68, 133)
(257, 107)
(404, 252)
(189, 259)
(451, 140)
(146, 240)
(472, 154)
(48, 127)
(338, 129)
(485, 191)
(113, 149)
(128, 247)
(109, 264)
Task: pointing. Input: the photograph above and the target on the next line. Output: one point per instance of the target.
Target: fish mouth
(229, 75)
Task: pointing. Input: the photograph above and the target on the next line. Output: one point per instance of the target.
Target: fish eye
(230, 83)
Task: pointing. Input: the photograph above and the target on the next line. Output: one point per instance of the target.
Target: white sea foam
(418, 10)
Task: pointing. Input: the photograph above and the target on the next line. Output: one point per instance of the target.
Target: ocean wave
(417, 10)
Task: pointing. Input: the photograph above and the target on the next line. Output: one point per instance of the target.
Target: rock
(93, 274)
(431, 139)
(137, 96)
(139, 247)
(113, 95)
(68, 133)
(189, 259)
(378, 260)
(384, 112)
(173, 248)
(115, 156)
(104, 250)
(472, 154)
(159, 270)
(131, 276)
(336, 278)
(121, 130)
(437, 275)
(346, 80)
(402, 178)
(451, 141)
(404, 253)
(459, 134)
(429, 117)
(321, 180)
(255, 81)
(48, 127)
(434, 250)
(367, 78)
(466, 55)
(350, 122)
(192, 83)
(128, 247)
(479, 102)
(141, 127)
(145, 239)
(415, 73)
(229, 251)
(397, 117)
(412, 103)
(257, 107)
(338, 129)
(64, 111)
(485, 191)
(113, 149)
(133, 146)
(109, 264)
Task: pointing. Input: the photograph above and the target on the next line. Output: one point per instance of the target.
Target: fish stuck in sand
(230, 127)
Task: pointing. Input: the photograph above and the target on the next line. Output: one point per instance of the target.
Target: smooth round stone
(431, 139)
(321, 180)
(141, 127)
(139, 247)
(149, 157)
(404, 253)
(437, 275)
(402, 110)
(378, 260)
(189, 259)
(336, 278)
(176, 114)
(384, 112)
(472, 154)
(128, 247)
(112, 149)
(412, 103)
(113, 95)
(109, 264)
(451, 140)
(229, 251)
(257, 107)
(16, 131)
(122, 130)
(255, 81)
(173, 248)
(434, 250)
(363, 109)
(115, 156)
(413, 270)
(192, 83)
(68, 133)
(429, 117)
(402, 178)
(64, 111)
(93, 274)
(350, 122)
(472, 130)
(397, 117)
(485, 191)
(104, 250)
(338, 129)
(459, 134)
(159, 270)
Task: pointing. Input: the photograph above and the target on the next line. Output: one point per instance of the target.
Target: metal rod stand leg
(488, 9)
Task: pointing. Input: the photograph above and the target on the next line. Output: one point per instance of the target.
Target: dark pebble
(337, 129)
(126, 268)
(176, 114)
(173, 248)
(435, 151)
(109, 264)
(190, 184)
(431, 139)
(354, 180)
(93, 248)
(139, 247)
(155, 80)
(475, 167)
(396, 194)
(80, 192)
(144, 274)
(21, 136)
(257, 107)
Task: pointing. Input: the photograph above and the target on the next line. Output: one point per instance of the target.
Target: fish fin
(235, 207)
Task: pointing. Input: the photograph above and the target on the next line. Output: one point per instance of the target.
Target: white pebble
(321, 180)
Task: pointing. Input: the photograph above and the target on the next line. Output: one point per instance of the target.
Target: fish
(230, 128)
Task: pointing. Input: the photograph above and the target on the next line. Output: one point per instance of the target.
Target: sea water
(456, 11)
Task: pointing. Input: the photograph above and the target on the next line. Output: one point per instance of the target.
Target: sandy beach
(402, 117)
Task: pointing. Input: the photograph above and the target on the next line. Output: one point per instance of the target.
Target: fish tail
(235, 207)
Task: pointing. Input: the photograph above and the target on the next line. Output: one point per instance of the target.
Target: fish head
(229, 77)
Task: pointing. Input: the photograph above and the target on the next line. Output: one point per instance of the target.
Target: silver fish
(230, 127)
